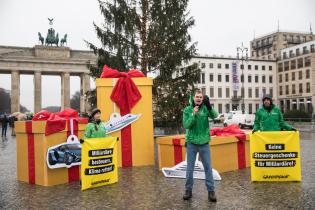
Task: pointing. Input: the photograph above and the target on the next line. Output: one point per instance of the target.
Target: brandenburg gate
(46, 60)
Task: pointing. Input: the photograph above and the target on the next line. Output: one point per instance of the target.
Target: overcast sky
(220, 26)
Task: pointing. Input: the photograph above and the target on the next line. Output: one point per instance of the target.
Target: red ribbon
(30, 152)
(178, 154)
(125, 94)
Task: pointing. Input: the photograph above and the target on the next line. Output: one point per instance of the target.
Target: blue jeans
(204, 153)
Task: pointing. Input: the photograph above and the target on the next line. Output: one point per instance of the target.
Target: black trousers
(4, 130)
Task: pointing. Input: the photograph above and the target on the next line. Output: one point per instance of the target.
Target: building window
(307, 74)
(286, 77)
(203, 78)
(280, 90)
(249, 67)
(263, 68)
(227, 78)
(234, 93)
(256, 79)
(220, 108)
(264, 91)
(256, 67)
(263, 79)
(249, 78)
(308, 87)
(284, 55)
(250, 108)
(286, 65)
(305, 51)
(293, 89)
(219, 92)
(300, 88)
(242, 66)
(211, 92)
(227, 108)
(271, 92)
(203, 90)
(242, 92)
(293, 76)
(219, 78)
(270, 68)
(219, 65)
(250, 93)
(300, 75)
(291, 53)
(280, 67)
(287, 89)
(242, 78)
(293, 64)
(211, 65)
(300, 63)
(227, 66)
(270, 79)
(294, 104)
(312, 48)
(257, 107)
(227, 92)
(307, 61)
(297, 52)
(211, 77)
(203, 65)
(280, 78)
(256, 92)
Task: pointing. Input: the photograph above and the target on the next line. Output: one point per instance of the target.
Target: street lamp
(242, 55)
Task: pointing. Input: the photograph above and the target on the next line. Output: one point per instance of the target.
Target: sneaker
(187, 195)
(211, 196)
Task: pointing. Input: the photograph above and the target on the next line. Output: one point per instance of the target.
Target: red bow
(125, 93)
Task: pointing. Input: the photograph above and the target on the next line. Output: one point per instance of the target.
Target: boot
(187, 195)
(212, 197)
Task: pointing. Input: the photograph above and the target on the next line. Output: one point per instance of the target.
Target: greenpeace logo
(276, 176)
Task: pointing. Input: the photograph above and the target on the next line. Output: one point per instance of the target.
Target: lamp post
(242, 55)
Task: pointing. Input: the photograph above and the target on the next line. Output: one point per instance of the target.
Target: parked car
(240, 119)
(220, 118)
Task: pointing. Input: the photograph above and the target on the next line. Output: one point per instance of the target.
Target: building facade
(225, 86)
(296, 77)
(269, 46)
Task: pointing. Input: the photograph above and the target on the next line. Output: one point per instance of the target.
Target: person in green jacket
(196, 122)
(95, 128)
(269, 118)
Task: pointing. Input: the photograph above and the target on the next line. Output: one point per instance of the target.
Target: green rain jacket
(91, 132)
(270, 121)
(197, 126)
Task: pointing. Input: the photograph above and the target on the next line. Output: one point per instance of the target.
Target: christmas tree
(151, 35)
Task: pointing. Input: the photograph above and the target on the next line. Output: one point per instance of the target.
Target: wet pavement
(147, 188)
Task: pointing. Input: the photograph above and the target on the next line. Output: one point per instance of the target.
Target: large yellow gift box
(228, 153)
(136, 144)
(31, 147)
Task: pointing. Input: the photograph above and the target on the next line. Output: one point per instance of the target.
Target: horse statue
(63, 40)
(51, 38)
(40, 38)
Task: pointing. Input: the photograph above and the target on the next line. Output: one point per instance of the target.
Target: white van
(240, 119)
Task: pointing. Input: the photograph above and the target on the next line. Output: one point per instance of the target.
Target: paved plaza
(147, 188)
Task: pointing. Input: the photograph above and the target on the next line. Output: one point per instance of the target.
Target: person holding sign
(196, 123)
(269, 118)
(95, 128)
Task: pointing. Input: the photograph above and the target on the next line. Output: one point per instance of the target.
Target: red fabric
(42, 115)
(234, 130)
(125, 94)
(30, 152)
(73, 172)
(68, 113)
(126, 147)
(54, 124)
(178, 155)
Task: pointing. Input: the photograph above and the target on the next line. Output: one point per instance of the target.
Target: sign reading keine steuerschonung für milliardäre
(99, 162)
(275, 156)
